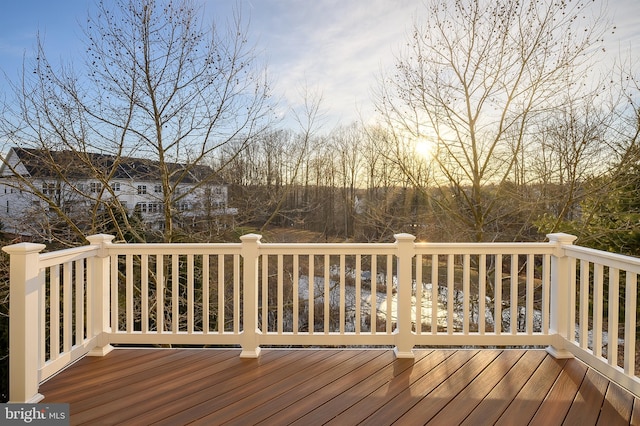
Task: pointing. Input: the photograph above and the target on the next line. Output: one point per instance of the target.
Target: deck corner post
(559, 297)
(250, 334)
(25, 287)
(403, 335)
(100, 282)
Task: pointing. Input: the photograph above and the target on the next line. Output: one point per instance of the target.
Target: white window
(142, 189)
(51, 188)
(115, 186)
(157, 189)
(149, 207)
(96, 186)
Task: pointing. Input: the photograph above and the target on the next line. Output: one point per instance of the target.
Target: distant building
(77, 182)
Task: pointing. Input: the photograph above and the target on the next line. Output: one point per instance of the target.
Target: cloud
(334, 46)
(625, 16)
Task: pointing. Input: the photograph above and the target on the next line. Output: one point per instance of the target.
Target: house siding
(32, 197)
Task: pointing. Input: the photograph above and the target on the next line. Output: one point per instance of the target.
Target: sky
(337, 48)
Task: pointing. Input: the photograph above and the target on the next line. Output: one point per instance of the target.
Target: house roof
(42, 163)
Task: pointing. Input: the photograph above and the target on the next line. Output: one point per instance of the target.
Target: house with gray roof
(35, 182)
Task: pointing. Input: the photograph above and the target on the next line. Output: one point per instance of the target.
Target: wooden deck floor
(340, 387)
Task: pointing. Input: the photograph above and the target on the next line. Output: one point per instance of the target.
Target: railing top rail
(175, 248)
(485, 248)
(332, 248)
(612, 260)
(327, 248)
(67, 255)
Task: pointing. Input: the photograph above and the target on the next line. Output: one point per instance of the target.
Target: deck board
(132, 398)
(500, 396)
(331, 368)
(311, 398)
(617, 406)
(363, 408)
(309, 387)
(209, 388)
(324, 407)
(557, 403)
(393, 409)
(429, 405)
(635, 415)
(465, 401)
(337, 386)
(530, 397)
(586, 407)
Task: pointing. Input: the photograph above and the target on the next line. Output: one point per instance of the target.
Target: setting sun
(425, 148)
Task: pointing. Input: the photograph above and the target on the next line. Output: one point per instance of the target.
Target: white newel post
(403, 335)
(249, 338)
(560, 298)
(100, 281)
(25, 283)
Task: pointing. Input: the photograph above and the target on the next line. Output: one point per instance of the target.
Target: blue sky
(337, 47)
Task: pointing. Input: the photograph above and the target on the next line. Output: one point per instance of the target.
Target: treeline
(360, 184)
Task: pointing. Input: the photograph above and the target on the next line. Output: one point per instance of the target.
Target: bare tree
(474, 78)
(592, 159)
(574, 148)
(309, 119)
(382, 209)
(155, 84)
(346, 143)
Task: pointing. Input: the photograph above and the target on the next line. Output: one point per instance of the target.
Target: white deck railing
(81, 301)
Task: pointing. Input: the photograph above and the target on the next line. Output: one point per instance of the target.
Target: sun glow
(425, 148)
